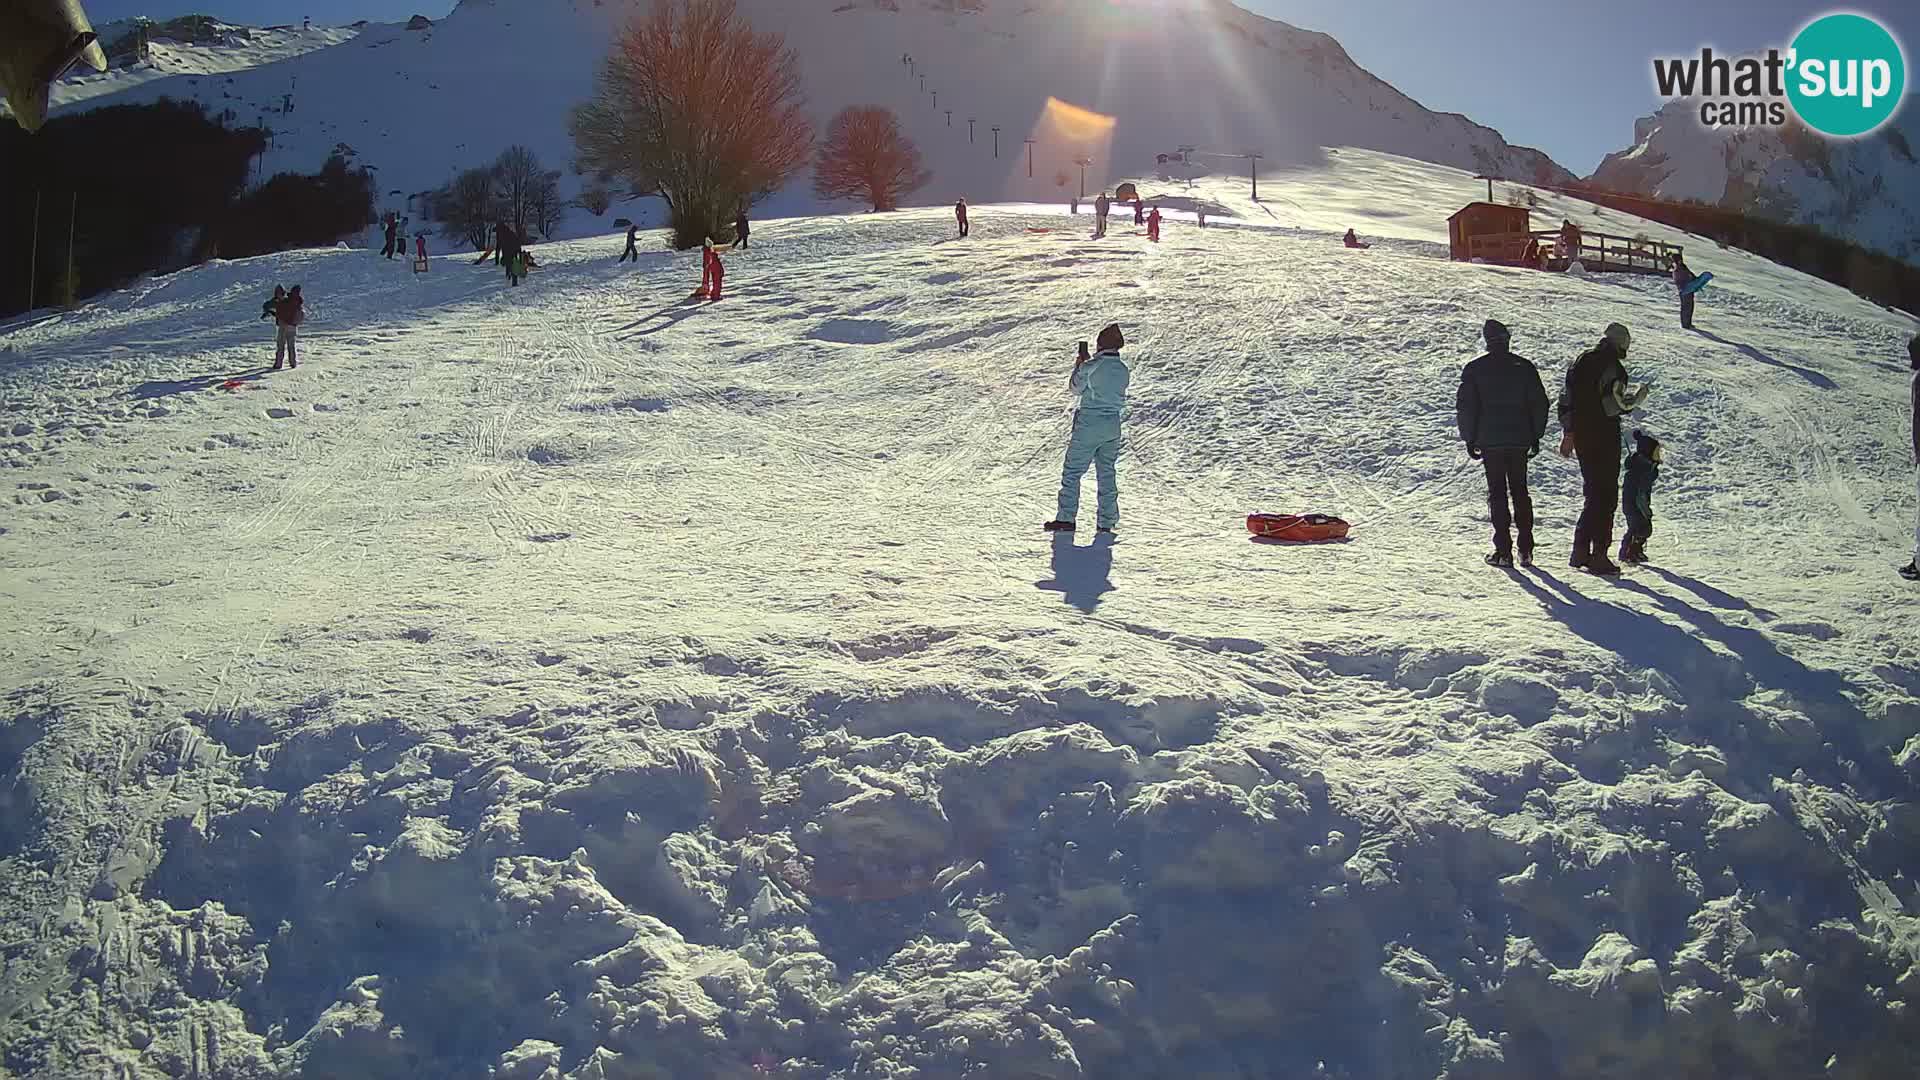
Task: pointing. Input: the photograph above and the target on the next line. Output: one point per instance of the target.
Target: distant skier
(1596, 396)
(1100, 381)
(632, 251)
(1636, 496)
(741, 228)
(1101, 206)
(713, 272)
(1139, 212)
(1911, 571)
(1353, 241)
(1682, 277)
(960, 215)
(1153, 225)
(288, 312)
(1501, 408)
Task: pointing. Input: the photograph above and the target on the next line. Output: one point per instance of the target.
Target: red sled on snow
(1304, 527)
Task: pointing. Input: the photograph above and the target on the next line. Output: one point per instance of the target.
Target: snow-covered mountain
(1867, 190)
(571, 681)
(417, 104)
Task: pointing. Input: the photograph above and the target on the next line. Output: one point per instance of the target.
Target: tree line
(694, 106)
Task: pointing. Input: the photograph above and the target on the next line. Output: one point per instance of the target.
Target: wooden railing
(1598, 251)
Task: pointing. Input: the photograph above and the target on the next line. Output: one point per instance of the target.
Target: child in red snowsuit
(712, 271)
(1153, 225)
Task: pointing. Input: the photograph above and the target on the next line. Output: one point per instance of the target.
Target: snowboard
(1699, 282)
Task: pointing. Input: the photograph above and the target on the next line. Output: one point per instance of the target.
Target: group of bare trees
(695, 106)
(514, 189)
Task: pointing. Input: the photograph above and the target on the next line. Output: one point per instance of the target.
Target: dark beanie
(1496, 334)
(1111, 338)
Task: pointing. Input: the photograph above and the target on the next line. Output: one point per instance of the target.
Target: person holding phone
(1100, 382)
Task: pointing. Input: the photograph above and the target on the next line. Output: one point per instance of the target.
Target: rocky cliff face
(1867, 190)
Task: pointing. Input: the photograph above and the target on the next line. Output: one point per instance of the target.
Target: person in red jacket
(712, 271)
(288, 313)
(1153, 225)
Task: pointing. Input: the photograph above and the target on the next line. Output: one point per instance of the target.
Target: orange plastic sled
(1297, 526)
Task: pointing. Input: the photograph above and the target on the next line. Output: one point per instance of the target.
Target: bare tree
(544, 204)
(516, 173)
(693, 104)
(468, 205)
(867, 156)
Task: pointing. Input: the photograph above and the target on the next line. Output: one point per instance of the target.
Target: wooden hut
(1488, 230)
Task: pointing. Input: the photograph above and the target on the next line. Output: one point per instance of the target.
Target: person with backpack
(1636, 496)
(289, 310)
(1501, 408)
(1100, 382)
(1911, 571)
(741, 228)
(960, 215)
(633, 251)
(1596, 396)
(712, 272)
(1682, 277)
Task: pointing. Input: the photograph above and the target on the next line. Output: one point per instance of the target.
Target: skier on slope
(1682, 277)
(1911, 571)
(1153, 225)
(1501, 408)
(632, 251)
(1596, 396)
(960, 215)
(741, 227)
(1100, 381)
(712, 272)
(288, 313)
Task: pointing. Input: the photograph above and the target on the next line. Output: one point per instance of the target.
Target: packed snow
(574, 681)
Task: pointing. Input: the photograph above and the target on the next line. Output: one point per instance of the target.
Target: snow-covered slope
(420, 104)
(1866, 190)
(570, 681)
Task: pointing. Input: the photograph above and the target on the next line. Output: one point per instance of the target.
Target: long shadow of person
(1080, 574)
(1808, 374)
(158, 388)
(1723, 600)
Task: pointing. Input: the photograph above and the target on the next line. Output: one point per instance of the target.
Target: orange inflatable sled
(1297, 526)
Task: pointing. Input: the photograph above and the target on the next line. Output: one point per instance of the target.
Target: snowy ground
(574, 681)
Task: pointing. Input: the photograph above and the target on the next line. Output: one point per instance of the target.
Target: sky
(1567, 78)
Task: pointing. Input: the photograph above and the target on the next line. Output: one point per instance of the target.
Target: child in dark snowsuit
(1643, 468)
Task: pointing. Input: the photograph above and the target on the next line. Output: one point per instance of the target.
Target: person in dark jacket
(1682, 276)
(393, 235)
(632, 251)
(267, 309)
(1502, 412)
(500, 232)
(1101, 206)
(1139, 212)
(509, 251)
(1596, 396)
(1911, 571)
(741, 228)
(1636, 496)
(288, 312)
(960, 215)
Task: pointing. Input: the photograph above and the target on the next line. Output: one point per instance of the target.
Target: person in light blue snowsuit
(1100, 381)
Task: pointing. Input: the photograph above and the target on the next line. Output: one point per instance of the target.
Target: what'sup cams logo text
(1843, 76)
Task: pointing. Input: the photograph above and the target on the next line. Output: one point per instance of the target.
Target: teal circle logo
(1846, 75)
